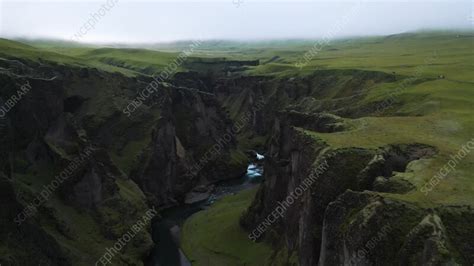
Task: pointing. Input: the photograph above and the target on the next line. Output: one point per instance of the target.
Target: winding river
(165, 232)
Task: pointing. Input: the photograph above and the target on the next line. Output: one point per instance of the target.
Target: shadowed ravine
(166, 231)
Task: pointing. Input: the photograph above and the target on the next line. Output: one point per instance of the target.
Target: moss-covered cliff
(345, 215)
(93, 169)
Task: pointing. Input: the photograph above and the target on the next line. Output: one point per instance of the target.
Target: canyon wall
(345, 214)
(84, 157)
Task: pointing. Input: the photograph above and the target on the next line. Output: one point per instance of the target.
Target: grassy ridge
(130, 62)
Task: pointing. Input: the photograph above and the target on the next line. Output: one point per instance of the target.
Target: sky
(145, 21)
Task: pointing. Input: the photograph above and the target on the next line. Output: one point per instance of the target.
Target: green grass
(214, 237)
(16, 50)
(129, 62)
(438, 112)
(451, 53)
(140, 60)
(435, 130)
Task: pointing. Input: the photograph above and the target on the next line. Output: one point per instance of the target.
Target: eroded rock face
(161, 170)
(379, 173)
(291, 159)
(41, 139)
(333, 222)
(190, 146)
(427, 243)
(27, 244)
(365, 228)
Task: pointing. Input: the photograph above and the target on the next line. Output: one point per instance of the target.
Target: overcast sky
(156, 21)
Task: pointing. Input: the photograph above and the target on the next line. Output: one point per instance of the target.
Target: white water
(254, 171)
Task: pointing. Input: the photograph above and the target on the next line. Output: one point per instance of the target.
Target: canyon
(197, 141)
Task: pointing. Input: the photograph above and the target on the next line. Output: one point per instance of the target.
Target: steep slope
(67, 135)
(193, 144)
(323, 220)
(62, 180)
(392, 186)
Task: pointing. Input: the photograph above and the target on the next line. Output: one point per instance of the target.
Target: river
(165, 232)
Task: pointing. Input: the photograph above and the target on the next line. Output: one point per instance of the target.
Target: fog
(161, 21)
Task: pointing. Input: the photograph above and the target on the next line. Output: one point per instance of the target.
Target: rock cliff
(339, 216)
